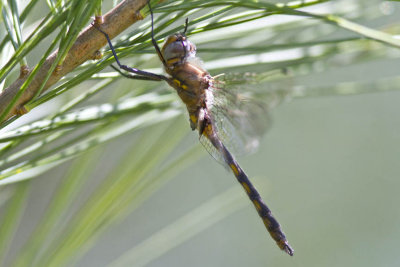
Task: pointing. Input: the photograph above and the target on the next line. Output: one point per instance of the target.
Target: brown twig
(85, 47)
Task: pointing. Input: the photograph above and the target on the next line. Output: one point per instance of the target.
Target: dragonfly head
(177, 49)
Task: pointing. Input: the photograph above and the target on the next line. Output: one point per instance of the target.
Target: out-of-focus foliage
(110, 143)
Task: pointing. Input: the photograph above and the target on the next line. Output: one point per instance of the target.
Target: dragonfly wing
(240, 119)
(212, 150)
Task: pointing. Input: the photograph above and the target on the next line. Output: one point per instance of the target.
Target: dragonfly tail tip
(288, 249)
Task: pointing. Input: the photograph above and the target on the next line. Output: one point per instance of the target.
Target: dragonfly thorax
(177, 49)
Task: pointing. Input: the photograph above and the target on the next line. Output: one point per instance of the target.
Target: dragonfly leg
(153, 40)
(151, 76)
(135, 77)
(186, 25)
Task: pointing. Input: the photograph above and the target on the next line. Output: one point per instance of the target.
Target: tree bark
(86, 47)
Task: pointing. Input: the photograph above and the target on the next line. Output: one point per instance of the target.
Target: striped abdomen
(270, 222)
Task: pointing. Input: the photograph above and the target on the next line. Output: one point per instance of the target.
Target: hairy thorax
(191, 83)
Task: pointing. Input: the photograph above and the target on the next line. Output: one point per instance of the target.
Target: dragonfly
(213, 111)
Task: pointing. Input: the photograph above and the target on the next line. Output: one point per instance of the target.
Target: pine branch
(85, 47)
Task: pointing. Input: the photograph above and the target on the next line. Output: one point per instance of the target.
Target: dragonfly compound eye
(178, 49)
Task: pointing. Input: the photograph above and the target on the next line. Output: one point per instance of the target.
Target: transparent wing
(240, 119)
(240, 113)
(214, 152)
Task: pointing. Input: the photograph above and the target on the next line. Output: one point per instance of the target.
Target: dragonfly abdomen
(264, 212)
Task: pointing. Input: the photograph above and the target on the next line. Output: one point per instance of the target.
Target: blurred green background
(147, 194)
